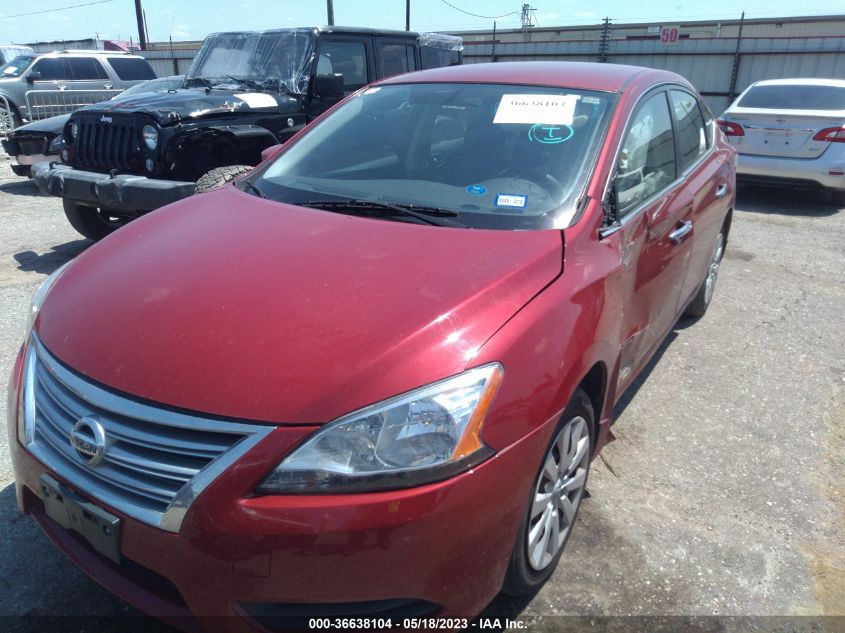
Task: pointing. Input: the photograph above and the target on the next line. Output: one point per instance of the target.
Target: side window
(647, 159)
(347, 58)
(395, 59)
(86, 68)
(53, 69)
(692, 132)
(132, 68)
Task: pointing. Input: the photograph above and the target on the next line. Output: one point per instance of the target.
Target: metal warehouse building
(721, 58)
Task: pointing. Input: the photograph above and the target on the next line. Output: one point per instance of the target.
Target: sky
(193, 20)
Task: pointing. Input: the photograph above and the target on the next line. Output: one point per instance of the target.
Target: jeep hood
(194, 103)
(235, 306)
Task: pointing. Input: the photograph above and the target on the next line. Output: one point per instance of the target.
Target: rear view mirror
(329, 86)
(271, 151)
(33, 76)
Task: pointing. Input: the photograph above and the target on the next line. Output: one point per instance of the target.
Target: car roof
(802, 81)
(583, 75)
(86, 53)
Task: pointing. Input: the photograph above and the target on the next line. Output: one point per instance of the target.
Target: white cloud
(180, 30)
(584, 14)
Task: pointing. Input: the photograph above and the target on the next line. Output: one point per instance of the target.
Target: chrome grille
(156, 461)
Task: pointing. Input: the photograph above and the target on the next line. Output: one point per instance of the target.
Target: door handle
(677, 236)
(722, 190)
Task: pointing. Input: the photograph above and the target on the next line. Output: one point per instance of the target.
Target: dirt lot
(725, 490)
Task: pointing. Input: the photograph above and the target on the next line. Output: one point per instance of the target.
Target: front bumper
(122, 192)
(445, 544)
(811, 171)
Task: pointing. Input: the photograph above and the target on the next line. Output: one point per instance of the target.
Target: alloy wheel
(713, 271)
(558, 493)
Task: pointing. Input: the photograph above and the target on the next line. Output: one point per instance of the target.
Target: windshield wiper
(200, 80)
(429, 215)
(251, 187)
(249, 83)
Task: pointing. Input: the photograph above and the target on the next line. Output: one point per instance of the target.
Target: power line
(475, 15)
(75, 6)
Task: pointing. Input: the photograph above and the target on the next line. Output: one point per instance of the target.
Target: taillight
(831, 135)
(730, 128)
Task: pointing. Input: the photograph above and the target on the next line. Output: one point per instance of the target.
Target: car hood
(52, 125)
(235, 306)
(193, 103)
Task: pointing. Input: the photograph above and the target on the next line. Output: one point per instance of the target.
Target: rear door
(395, 56)
(705, 176)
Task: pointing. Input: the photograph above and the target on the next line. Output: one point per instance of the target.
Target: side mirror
(268, 152)
(33, 77)
(329, 86)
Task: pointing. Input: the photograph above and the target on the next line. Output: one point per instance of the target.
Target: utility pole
(142, 35)
(737, 58)
(329, 10)
(604, 42)
(407, 15)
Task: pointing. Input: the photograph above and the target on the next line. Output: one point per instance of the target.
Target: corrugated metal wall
(706, 62)
(167, 62)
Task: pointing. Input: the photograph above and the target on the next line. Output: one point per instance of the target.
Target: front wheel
(92, 222)
(554, 501)
(219, 176)
(698, 306)
(9, 119)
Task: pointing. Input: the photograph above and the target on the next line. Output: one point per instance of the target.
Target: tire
(219, 176)
(698, 306)
(91, 222)
(531, 562)
(8, 120)
(838, 198)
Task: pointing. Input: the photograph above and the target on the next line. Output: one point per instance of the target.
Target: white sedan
(790, 132)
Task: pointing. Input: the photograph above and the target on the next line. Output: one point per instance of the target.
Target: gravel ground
(724, 493)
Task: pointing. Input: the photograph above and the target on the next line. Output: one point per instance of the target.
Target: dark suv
(244, 93)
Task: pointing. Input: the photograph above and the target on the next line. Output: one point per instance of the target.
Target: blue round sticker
(477, 190)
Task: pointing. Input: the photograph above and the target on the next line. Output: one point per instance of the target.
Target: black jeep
(244, 93)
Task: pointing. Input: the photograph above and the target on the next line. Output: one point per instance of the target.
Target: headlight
(426, 435)
(150, 135)
(56, 145)
(73, 129)
(39, 297)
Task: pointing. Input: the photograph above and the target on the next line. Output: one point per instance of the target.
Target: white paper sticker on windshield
(531, 109)
(257, 100)
(9, 70)
(511, 200)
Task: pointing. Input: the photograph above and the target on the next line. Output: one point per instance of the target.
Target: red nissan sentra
(367, 380)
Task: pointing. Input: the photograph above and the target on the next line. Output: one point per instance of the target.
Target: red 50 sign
(669, 34)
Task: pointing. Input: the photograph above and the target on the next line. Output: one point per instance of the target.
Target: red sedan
(367, 380)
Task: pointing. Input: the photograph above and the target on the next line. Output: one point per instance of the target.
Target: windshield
(499, 156)
(277, 60)
(794, 97)
(16, 67)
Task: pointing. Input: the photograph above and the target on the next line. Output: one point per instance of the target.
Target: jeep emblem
(105, 119)
(88, 438)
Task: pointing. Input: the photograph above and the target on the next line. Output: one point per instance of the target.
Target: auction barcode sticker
(537, 108)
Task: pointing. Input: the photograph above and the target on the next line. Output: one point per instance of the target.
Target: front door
(653, 243)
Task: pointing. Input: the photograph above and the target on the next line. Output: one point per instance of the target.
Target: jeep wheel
(91, 222)
(218, 177)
